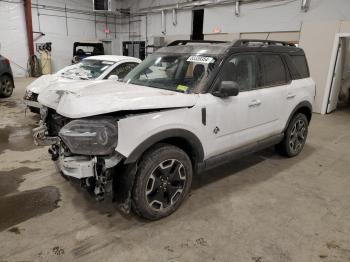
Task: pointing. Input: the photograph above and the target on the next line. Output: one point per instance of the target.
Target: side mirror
(113, 77)
(226, 89)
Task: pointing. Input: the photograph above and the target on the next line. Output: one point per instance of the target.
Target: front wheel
(295, 136)
(6, 86)
(162, 182)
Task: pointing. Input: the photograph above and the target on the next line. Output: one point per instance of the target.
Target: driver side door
(234, 119)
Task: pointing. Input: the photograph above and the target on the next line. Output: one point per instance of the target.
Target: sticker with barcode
(200, 59)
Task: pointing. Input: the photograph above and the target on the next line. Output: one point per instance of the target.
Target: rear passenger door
(271, 91)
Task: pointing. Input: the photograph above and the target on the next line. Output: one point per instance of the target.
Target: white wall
(277, 16)
(13, 37)
(53, 23)
(317, 40)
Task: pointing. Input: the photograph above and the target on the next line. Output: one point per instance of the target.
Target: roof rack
(245, 42)
(185, 42)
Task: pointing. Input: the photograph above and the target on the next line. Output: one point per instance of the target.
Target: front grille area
(55, 122)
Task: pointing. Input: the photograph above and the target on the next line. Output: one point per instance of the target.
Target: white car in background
(91, 68)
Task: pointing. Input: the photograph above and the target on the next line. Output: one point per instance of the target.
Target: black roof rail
(185, 42)
(245, 42)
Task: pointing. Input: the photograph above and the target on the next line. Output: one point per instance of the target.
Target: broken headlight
(90, 137)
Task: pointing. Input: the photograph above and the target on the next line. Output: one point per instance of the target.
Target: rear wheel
(295, 136)
(163, 181)
(6, 86)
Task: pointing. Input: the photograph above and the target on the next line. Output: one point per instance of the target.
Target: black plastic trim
(300, 105)
(242, 151)
(245, 42)
(204, 116)
(185, 42)
(191, 138)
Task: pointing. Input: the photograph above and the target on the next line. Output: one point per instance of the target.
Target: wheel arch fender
(182, 138)
(8, 74)
(303, 107)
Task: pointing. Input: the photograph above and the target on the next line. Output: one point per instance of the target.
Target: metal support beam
(29, 24)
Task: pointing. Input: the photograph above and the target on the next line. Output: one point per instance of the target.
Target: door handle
(290, 96)
(254, 103)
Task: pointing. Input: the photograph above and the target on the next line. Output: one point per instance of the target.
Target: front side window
(242, 70)
(184, 73)
(273, 70)
(123, 69)
(87, 69)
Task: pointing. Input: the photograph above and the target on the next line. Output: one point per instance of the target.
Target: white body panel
(243, 119)
(133, 130)
(249, 117)
(109, 96)
(240, 124)
(298, 91)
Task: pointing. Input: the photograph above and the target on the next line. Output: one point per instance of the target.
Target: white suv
(188, 107)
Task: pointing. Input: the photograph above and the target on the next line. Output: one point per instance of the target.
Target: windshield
(87, 69)
(173, 71)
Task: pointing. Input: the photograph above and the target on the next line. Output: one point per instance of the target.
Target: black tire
(6, 86)
(163, 181)
(294, 137)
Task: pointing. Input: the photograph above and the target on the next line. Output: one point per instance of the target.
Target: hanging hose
(33, 66)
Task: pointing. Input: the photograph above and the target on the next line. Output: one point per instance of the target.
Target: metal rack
(257, 42)
(185, 42)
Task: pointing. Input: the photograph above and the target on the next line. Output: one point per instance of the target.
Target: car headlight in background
(31, 96)
(90, 137)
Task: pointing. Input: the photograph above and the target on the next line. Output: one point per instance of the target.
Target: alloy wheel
(6, 86)
(166, 184)
(298, 136)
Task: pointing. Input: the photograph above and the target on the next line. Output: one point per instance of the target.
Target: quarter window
(273, 70)
(301, 65)
(242, 70)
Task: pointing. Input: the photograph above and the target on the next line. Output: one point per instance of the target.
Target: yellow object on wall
(45, 61)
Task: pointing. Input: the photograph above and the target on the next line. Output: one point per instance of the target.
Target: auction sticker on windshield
(200, 59)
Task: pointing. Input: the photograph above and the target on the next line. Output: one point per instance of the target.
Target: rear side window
(300, 66)
(273, 70)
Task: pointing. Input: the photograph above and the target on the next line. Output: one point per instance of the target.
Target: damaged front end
(83, 149)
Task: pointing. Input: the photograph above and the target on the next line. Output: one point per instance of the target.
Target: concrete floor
(260, 208)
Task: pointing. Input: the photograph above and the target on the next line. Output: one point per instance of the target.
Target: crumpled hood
(89, 98)
(45, 81)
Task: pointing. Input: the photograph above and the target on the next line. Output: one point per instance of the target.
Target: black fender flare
(188, 136)
(306, 104)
